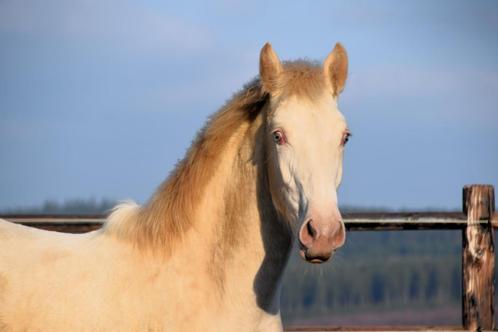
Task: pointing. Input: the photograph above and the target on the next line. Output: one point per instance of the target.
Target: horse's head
(306, 139)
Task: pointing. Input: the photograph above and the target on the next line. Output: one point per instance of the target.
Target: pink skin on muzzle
(320, 236)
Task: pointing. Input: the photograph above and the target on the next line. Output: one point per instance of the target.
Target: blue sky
(100, 98)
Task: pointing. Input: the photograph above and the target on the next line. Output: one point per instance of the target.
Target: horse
(207, 251)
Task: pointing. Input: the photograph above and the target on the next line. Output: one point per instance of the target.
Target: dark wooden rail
(476, 223)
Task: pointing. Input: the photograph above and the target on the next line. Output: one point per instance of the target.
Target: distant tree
(72, 206)
(309, 294)
(414, 287)
(456, 283)
(345, 296)
(431, 288)
(377, 288)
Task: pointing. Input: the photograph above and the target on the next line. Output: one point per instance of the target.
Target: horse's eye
(345, 138)
(278, 137)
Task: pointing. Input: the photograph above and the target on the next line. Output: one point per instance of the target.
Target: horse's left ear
(335, 69)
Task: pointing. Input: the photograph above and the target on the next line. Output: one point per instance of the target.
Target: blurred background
(99, 99)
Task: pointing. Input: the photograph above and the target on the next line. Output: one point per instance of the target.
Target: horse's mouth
(310, 258)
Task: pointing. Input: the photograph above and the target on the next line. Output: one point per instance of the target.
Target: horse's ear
(335, 69)
(269, 68)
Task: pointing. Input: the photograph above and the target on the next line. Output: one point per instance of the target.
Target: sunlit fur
(169, 214)
(205, 253)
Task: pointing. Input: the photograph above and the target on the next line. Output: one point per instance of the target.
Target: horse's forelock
(302, 78)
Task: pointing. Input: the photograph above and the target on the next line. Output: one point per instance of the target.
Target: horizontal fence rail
(476, 223)
(353, 221)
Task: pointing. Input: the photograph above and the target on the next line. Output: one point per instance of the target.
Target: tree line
(377, 271)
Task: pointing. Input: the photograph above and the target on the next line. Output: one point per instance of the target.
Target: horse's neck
(247, 244)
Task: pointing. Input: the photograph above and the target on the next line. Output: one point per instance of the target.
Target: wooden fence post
(478, 258)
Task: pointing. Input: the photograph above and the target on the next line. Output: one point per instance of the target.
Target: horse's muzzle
(318, 241)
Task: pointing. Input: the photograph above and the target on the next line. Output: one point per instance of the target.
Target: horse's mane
(169, 212)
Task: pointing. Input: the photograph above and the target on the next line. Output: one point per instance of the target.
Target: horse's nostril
(308, 234)
(310, 229)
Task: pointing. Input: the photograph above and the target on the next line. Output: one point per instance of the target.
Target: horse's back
(52, 281)
(9, 230)
(16, 240)
(24, 249)
(37, 270)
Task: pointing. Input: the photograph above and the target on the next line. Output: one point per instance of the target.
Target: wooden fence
(476, 222)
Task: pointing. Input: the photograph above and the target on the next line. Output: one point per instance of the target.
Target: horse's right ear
(269, 68)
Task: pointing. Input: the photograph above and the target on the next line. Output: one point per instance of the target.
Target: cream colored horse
(207, 252)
